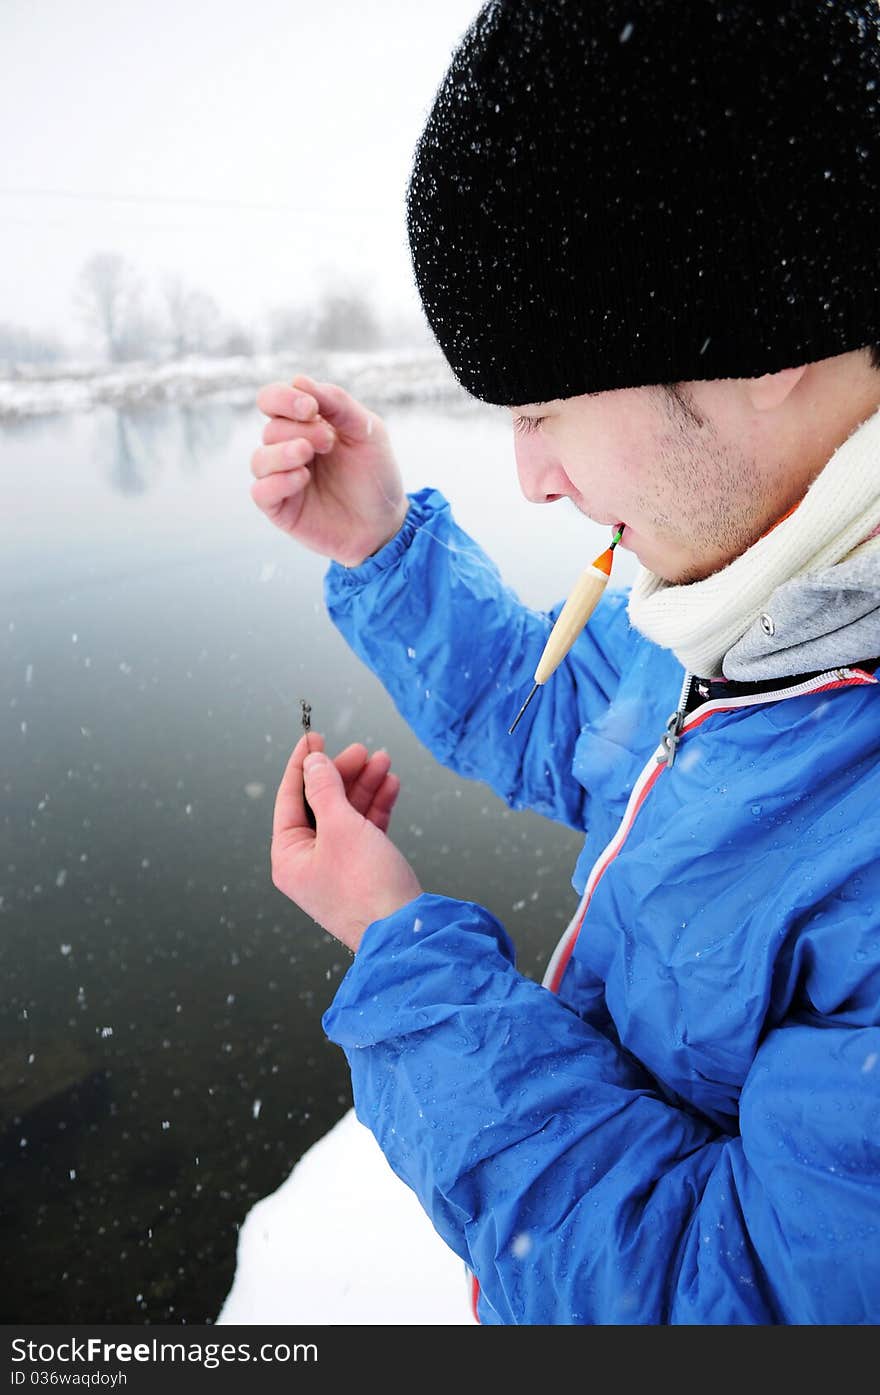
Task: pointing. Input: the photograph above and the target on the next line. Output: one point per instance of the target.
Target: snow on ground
(344, 1242)
(386, 376)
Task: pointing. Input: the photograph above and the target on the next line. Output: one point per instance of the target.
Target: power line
(301, 211)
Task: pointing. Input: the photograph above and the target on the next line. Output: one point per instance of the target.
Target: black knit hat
(611, 193)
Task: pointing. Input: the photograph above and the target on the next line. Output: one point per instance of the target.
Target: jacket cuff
(403, 962)
(423, 505)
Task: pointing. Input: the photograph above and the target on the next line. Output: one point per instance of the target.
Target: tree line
(122, 324)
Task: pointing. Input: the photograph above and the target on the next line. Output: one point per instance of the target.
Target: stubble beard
(721, 488)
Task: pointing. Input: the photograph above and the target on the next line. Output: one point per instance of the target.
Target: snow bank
(389, 376)
(343, 1241)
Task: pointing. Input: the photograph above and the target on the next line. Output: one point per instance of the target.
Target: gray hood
(819, 620)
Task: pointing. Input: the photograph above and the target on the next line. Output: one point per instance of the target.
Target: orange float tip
(604, 560)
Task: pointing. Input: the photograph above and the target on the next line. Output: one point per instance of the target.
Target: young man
(650, 226)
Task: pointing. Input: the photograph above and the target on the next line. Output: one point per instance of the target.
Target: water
(162, 1064)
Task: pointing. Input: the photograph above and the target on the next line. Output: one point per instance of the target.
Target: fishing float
(584, 598)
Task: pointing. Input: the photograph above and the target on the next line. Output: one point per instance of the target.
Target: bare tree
(345, 319)
(234, 341)
(109, 298)
(192, 316)
(290, 327)
(141, 335)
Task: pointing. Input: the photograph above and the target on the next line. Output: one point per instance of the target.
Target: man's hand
(326, 473)
(345, 873)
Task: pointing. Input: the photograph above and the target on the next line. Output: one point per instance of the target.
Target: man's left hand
(346, 872)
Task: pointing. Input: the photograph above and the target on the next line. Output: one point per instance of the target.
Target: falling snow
(521, 1245)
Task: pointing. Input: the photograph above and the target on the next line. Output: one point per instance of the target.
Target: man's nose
(542, 481)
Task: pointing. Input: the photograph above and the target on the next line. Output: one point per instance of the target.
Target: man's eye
(524, 425)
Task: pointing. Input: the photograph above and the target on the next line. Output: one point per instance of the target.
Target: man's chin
(675, 572)
(689, 576)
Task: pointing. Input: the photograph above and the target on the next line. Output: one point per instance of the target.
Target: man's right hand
(326, 473)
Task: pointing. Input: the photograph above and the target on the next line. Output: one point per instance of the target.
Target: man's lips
(614, 523)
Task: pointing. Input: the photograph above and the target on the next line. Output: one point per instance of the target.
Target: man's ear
(772, 389)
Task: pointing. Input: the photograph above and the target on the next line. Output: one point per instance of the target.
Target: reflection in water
(132, 465)
(202, 434)
(143, 443)
(162, 1064)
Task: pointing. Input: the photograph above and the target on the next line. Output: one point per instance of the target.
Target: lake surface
(162, 1063)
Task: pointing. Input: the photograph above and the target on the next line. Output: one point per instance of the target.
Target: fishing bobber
(581, 603)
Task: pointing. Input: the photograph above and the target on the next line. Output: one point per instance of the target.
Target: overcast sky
(161, 130)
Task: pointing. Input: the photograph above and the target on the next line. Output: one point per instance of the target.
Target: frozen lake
(162, 1064)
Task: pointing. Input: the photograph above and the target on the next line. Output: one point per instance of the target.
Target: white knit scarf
(836, 519)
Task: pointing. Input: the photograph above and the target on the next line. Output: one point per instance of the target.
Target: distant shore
(380, 377)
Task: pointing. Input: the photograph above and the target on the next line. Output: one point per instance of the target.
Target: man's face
(684, 468)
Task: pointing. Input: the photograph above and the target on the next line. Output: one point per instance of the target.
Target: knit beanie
(612, 193)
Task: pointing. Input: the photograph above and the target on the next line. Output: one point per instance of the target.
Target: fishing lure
(307, 726)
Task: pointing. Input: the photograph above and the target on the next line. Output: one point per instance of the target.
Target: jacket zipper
(672, 735)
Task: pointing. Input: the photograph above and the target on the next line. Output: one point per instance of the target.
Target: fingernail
(313, 761)
(304, 408)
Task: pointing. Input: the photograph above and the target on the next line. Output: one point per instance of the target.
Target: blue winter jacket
(683, 1124)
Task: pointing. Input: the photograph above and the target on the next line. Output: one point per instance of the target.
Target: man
(662, 247)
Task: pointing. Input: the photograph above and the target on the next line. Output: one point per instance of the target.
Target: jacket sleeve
(456, 650)
(548, 1160)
